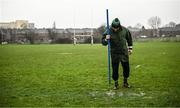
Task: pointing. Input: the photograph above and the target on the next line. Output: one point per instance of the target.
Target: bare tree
(30, 34)
(52, 34)
(101, 29)
(1, 36)
(172, 24)
(138, 26)
(154, 22)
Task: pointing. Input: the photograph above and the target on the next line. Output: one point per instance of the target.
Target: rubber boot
(116, 85)
(126, 85)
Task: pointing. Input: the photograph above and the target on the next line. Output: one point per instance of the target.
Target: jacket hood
(116, 23)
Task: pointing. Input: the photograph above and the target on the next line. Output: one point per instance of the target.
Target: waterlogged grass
(67, 75)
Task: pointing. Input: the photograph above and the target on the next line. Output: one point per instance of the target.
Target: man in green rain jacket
(121, 48)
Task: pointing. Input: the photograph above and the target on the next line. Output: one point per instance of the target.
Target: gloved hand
(129, 51)
(107, 37)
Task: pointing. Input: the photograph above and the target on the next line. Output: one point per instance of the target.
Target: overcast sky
(88, 13)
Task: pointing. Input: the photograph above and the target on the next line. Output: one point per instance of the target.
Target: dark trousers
(115, 67)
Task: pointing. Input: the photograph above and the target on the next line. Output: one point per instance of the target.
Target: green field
(67, 75)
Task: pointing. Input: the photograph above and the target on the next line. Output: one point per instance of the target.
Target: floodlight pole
(109, 48)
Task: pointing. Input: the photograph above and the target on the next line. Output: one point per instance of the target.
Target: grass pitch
(67, 75)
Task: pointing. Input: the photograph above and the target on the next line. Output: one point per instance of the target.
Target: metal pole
(109, 48)
(92, 36)
(74, 38)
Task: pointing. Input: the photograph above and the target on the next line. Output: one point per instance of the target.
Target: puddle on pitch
(140, 94)
(110, 93)
(94, 93)
(113, 94)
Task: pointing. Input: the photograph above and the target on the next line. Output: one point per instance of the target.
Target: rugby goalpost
(79, 35)
(83, 35)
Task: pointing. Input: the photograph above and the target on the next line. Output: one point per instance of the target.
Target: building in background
(18, 24)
